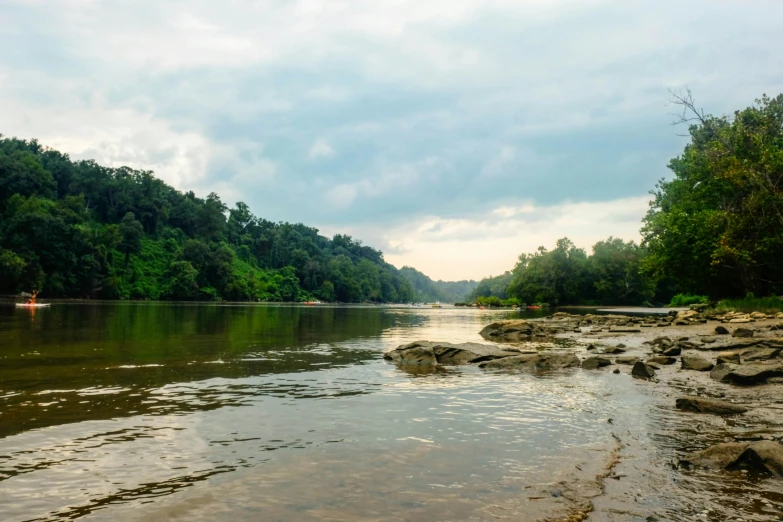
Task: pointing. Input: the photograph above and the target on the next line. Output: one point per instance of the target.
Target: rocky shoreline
(727, 366)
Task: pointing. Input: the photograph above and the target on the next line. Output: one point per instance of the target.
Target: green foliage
(613, 274)
(715, 228)
(752, 304)
(688, 299)
(78, 229)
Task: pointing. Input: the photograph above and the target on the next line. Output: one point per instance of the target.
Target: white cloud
(320, 149)
(451, 249)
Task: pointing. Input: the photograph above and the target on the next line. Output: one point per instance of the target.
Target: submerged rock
(763, 455)
(641, 370)
(694, 362)
(535, 362)
(702, 405)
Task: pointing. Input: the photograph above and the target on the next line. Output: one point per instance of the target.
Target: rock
(758, 315)
(593, 363)
(641, 370)
(672, 350)
(742, 332)
(708, 339)
(684, 338)
(466, 353)
(721, 370)
(763, 455)
(591, 347)
(721, 330)
(621, 345)
(748, 374)
(616, 370)
(417, 353)
(624, 330)
(626, 359)
(729, 357)
(513, 330)
(719, 456)
(694, 362)
(684, 315)
(759, 353)
(535, 362)
(661, 360)
(426, 353)
(680, 322)
(701, 405)
(779, 315)
(740, 320)
(614, 349)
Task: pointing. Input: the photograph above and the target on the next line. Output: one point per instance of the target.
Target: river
(155, 411)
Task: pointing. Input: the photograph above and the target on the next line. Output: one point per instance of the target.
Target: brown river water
(146, 411)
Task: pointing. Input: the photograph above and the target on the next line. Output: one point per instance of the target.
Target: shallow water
(125, 411)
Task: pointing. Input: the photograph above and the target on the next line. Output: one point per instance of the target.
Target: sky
(451, 134)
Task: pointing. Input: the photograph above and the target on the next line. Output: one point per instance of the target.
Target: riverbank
(714, 382)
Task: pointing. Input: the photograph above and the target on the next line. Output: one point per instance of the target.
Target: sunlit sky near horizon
(453, 135)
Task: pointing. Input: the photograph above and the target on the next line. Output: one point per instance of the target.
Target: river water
(137, 411)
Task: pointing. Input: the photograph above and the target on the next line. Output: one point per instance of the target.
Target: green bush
(688, 299)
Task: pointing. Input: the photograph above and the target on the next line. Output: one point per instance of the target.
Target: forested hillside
(428, 290)
(79, 229)
(715, 229)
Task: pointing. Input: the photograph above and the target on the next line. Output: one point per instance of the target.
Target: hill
(428, 290)
(79, 229)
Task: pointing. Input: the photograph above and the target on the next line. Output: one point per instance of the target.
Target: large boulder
(763, 455)
(418, 353)
(641, 370)
(694, 362)
(702, 405)
(469, 353)
(426, 353)
(748, 374)
(535, 362)
(593, 363)
(508, 331)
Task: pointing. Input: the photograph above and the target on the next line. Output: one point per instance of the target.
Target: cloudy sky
(451, 134)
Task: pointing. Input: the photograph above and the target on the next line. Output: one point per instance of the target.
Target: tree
(182, 281)
(715, 228)
(131, 233)
(616, 272)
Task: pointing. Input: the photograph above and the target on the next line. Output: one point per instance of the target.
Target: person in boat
(32, 301)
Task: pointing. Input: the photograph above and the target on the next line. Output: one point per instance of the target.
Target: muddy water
(184, 412)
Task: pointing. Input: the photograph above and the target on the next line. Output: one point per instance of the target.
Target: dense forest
(714, 229)
(79, 229)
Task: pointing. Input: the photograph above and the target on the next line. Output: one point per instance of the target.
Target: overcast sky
(451, 134)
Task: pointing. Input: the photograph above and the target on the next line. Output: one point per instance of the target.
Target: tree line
(79, 229)
(714, 229)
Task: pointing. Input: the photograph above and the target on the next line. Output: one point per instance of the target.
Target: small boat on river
(33, 305)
